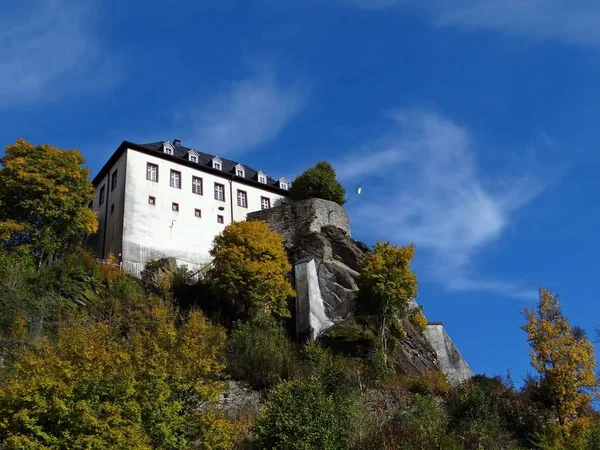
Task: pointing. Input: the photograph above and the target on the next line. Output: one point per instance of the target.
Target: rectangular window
(219, 192)
(265, 203)
(113, 183)
(198, 213)
(262, 179)
(284, 186)
(101, 195)
(175, 206)
(217, 165)
(151, 200)
(194, 158)
(220, 219)
(168, 150)
(197, 185)
(239, 172)
(152, 172)
(242, 199)
(175, 179)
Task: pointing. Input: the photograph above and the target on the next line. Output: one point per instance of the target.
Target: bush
(476, 418)
(260, 353)
(429, 384)
(422, 424)
(318, 182)
(164, 278)
(418, 319)
(299, 415)
(94, 389)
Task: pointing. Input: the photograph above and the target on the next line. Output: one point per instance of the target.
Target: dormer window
(262, 177)
(217, 163)
(283, 184)
(240, 171)
(193, 156)
(168, 148)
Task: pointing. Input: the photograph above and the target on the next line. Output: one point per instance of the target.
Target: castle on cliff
(166, 200)
(163, 200)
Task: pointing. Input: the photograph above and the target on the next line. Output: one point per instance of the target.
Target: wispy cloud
(422, 185)
(249, 113)
(564, 20)
(47, 47)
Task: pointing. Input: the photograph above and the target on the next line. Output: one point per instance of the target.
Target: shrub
(260, 353)
(432, 383)
(476, 418)
(94, 389)
(163, 277)
(318, 182)
(418, 319)
(422, 424)
(299, 415)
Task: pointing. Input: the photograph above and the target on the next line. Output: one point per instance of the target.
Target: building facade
(165, 200)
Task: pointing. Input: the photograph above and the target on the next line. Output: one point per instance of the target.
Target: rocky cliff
(326, 262)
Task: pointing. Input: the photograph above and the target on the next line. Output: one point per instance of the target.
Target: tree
(386, 285)
(318, 182)
(250, 270)
(565, 360)
(44, 193)
(95, 389)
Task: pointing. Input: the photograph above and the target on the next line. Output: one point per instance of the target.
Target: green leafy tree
(565, 360)
(44, 193)
(318, 182)
(249, 271)
(386, 285)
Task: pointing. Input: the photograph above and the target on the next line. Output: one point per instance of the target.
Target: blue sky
(471, 125)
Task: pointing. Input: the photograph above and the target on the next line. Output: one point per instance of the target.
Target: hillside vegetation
(93, 358)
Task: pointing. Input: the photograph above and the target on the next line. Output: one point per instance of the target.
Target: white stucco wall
(156, 231)
(108, 239)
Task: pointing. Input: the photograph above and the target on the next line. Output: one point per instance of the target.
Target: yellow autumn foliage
(44, 194)
(250, 271)
(95, 389)
(564, 359)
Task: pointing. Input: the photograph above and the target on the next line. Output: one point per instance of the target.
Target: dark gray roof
(204, 159)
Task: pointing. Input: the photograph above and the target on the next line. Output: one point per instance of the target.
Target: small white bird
(359, 190)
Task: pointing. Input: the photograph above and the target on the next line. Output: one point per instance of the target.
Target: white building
(165, 200)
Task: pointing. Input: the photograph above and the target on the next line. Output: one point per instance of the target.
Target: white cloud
(248, 114)
(46, 47)
(422, 185)
(564, 20)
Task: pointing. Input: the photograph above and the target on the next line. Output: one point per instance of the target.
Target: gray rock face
(415, 355)
(451, 361)
(318, 230)
(294, 220)
(326, 261)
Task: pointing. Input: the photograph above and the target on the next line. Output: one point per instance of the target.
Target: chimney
(177, 143)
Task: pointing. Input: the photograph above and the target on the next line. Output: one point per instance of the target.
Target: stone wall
(294, 220)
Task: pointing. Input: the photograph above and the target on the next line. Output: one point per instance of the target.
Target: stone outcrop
(326, 262)
(316, 234)
(450, 360)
